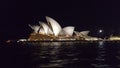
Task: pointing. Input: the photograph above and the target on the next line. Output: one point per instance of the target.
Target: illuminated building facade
(53, 31)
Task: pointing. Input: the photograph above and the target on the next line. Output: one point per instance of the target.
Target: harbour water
(61, 54)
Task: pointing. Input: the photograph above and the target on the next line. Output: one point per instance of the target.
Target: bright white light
(100, 31)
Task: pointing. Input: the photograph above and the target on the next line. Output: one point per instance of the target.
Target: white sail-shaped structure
(52, 30)
(68, 30)
(46, 28)
(54, 25)
(85, 33)
(35, 28)
(82, 33)
(77, 33)
(41, 31)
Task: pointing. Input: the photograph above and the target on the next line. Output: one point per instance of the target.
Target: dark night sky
(15, 15)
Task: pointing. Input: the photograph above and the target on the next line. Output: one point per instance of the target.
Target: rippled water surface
(61, 54)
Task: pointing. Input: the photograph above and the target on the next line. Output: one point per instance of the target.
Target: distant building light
(100, 31)
(22, 40)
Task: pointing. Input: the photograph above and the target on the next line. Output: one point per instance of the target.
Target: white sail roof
(84, 32)
(41, 31)
(54, 25)
(77, 33)
(46, 28)
(69, 30)
(30, 26)
(35, 28)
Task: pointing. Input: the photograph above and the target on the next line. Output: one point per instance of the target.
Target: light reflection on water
(65, 54)
(101, 56)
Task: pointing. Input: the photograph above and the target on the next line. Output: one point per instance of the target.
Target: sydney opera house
(52, 30)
